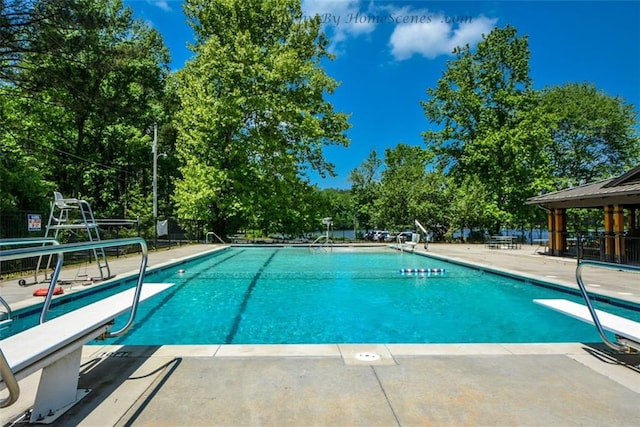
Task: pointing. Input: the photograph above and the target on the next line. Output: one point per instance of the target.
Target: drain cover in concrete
(367, 356)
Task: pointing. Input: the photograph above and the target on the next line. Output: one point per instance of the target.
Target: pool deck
(359, 384)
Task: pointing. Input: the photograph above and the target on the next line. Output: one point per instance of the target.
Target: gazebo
(618, 197)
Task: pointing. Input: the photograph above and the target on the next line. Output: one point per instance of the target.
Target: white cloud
(162, 4)
(415, 31)
(439, 36)
(339, 18)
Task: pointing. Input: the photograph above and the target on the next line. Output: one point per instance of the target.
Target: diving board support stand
(56, 348)
(57, 391)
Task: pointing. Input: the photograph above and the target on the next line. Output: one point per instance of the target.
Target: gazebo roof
(622, 190)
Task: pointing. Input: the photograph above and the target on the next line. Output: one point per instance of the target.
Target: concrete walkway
(360, 384)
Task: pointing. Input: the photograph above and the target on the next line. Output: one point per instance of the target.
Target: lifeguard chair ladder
(60, 219)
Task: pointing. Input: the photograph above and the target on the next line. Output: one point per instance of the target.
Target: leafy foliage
(245, 123)
(479, 105)
(253, 114)
(365, 184)
(90, 80)
(592, 134)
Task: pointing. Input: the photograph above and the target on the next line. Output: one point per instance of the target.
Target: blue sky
(385, 65)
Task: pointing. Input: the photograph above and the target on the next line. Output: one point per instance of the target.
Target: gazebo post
(552, 231)
(618, 229)
(559, 231)
(608, 233)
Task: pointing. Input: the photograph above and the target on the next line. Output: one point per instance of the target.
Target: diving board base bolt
(52, 416)
(634, 346)
(58, 389)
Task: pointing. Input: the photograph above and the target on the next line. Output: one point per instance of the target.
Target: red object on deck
(42, 292)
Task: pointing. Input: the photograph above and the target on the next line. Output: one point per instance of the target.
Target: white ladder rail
(327, 241)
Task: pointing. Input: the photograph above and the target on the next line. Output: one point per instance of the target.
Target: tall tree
(16, 18)
(592, 135)
(253, 116)
(478, 108)
(93, 76)
(365, 183)
(23, 184)
(471, 207)
(409, 191)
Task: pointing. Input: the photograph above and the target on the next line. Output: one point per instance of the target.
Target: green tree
(17, 17)
(338, 205)
(93, 76)
(403, 178)
(592, 135)
(253, 117)
(479, 109)
(365, 182)
(471, 207)
(22, 182)
(409, 191)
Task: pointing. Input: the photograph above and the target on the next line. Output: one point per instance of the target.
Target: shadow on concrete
(123, 369)
(606, 355)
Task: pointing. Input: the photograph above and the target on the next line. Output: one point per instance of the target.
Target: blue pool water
(292, 295)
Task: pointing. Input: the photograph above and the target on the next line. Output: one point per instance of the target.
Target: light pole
(154, 150)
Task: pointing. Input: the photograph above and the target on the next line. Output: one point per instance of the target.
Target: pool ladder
(621, 344)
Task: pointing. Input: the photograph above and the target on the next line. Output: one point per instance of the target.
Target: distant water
(529, 235)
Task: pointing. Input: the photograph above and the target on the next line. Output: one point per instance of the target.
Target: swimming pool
(292, 295)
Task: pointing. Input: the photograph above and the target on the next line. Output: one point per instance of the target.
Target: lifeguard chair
(74, 214)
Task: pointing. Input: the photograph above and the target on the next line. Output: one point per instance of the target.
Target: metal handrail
(7, 306)
(12, 254)
(29, 241)
(209, 233)
(10, 382)
(24, 241)
(581, 263)
(5, 370)
(327, 241)
(6, 374)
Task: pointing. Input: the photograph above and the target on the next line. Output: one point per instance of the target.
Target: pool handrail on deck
(627, 331)
(12, 254)
(618, 346)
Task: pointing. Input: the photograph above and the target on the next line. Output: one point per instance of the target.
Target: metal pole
(154, 150)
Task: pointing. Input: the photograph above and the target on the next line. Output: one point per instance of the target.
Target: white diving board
(624, 328)
(56, 347)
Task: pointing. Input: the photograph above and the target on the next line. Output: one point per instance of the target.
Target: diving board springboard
(56, 347)
(620, 326)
